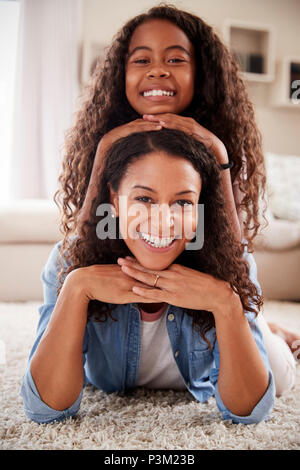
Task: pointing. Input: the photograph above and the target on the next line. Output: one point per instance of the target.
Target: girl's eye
(140, 61)
(177, 60)
(143, 61)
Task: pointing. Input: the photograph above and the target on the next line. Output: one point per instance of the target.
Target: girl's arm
(216, 146)
(229, 195)
(139, 125)
(93, 187)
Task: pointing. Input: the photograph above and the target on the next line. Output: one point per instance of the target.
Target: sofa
(30, 228)
(28, 231)
(277, 247)
(277, 255)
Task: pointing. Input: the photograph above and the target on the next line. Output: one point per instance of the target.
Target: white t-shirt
(157, 368)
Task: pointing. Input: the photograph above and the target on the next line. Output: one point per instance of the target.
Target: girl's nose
(158, 72)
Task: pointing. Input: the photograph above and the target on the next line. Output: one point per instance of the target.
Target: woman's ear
(114, 200)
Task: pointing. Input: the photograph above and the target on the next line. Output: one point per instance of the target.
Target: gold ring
(156, 279)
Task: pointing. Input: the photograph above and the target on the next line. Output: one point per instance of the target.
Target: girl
(168, 317)
(167, 69)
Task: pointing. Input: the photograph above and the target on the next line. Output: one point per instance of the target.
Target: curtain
(47, 86)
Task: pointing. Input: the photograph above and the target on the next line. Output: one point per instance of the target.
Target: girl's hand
(138, 125)
(106, 283)
(193, 128)
(180, 286)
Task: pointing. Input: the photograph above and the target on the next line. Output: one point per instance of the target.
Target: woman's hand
(193, 128)
(180, 286)
(106, 283)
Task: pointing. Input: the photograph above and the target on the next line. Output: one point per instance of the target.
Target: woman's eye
(143, 199)
(184, 202)
(140, 61)
(180, 202)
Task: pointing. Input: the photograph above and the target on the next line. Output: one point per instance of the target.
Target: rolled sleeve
(261, 412)
(36, 410)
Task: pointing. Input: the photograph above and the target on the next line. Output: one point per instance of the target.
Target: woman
(181, 314)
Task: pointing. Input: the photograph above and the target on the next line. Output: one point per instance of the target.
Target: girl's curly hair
(221, 255)
(220, 104)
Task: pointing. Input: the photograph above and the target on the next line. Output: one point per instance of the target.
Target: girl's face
(160, 68)
(158, 198)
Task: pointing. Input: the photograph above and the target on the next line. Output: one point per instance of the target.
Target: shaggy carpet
(142, 419)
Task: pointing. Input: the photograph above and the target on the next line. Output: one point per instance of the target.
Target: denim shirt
(111, 353)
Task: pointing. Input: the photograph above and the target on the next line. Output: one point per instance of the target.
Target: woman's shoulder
(54, 255)
(57, 258)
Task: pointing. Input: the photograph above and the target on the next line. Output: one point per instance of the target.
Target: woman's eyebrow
(166, 49)
(153, 191)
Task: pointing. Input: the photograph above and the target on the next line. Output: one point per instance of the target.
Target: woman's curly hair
(220, 104)
(221, 254)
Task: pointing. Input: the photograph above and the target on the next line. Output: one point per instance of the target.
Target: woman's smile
(156, 244)
(153, 216)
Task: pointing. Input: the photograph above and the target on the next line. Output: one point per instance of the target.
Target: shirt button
(176, 353)
(171, 317)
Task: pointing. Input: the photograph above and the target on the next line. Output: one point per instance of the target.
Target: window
(9, 24)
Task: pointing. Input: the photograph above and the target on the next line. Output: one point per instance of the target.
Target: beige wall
(280, 126)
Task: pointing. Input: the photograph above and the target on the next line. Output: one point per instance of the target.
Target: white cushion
(277, 235)
(283, 184)
(21, 268)
(29, 221)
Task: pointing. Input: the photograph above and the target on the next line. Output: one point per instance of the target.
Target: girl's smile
(160, 68)
(158, 93)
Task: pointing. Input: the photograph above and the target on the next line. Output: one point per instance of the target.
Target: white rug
(141, 420)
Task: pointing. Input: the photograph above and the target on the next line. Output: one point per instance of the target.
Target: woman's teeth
(158, 93)
(155, 241)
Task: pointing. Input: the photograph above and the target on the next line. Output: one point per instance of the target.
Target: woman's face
(156, 202)
(160, 68)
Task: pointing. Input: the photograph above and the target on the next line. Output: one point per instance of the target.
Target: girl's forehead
(157, 30)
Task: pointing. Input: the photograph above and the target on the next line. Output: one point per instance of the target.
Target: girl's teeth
(158, 93)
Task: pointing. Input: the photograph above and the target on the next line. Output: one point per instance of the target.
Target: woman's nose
(162, 220)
